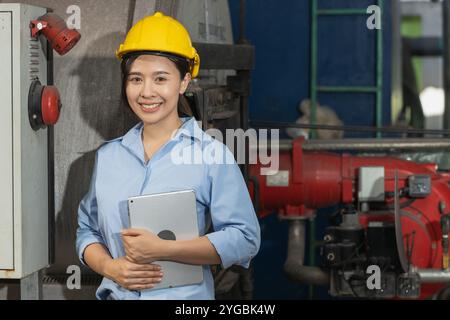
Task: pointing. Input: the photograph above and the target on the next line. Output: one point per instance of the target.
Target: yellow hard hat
(161, 33)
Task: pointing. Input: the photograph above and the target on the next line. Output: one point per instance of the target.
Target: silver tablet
(171, 216)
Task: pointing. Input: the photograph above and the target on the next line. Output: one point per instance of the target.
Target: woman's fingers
(146, 274)
(141, 287)
(126, 244)
(132, 232)
(144, 267)
(135, 276)
(141, 283)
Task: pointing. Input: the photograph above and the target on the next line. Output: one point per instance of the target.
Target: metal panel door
(6, 152)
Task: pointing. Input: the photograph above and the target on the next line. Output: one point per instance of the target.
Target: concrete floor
(54, 288)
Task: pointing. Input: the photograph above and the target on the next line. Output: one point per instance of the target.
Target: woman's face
(153, 88)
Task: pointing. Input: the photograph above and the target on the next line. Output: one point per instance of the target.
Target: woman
(158, 62)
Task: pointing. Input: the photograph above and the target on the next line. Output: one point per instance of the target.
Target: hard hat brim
(194, 64)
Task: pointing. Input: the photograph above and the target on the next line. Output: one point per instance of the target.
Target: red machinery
(44, 104)
(369, 232)
(54, 28)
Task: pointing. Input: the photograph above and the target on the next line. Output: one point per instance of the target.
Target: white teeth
(150, 106)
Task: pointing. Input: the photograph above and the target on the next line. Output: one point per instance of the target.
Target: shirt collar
(190, 129)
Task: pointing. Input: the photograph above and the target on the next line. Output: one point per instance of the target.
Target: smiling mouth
(151, 106)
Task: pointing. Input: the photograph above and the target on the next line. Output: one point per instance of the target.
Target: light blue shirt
(191, 159)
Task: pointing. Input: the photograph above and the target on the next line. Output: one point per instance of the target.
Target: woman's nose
(147, 90)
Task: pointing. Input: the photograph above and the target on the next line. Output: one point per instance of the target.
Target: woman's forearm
(198, 251)
(96, 257)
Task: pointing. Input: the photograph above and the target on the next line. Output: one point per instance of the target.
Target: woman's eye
(135, 80)
(160, 79)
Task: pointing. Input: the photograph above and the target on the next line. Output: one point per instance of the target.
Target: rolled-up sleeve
(236, 235)
(88, 230)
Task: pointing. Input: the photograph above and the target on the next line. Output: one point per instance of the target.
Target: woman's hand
(142, 246)
(133, 276)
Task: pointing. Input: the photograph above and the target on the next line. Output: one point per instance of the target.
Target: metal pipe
(396, 63)
(446, 73)
(313, 59)
(312, 252)
(434, 276)
(293, 267)
(51, 169)
(424, 46)
(242, 39)
(361, 144)
(343, 89)
(272, 124)
(341, 12)
(379, 144)
(379, 72)
(245, 76)
(244, 119)
(398, 228)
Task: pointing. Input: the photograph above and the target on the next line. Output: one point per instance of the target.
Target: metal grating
(34, 46)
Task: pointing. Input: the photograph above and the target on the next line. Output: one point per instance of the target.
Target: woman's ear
(185, 83)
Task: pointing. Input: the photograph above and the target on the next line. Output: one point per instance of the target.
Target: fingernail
(159, 279)
(161, 274)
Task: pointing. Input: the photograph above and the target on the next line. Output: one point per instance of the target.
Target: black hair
(183, 65)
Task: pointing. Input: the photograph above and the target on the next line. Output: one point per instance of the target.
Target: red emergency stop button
(50, 105)
(44, 105)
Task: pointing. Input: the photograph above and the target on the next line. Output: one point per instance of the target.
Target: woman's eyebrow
(157, 73)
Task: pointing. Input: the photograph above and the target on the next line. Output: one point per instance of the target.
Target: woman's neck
(162, 130)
